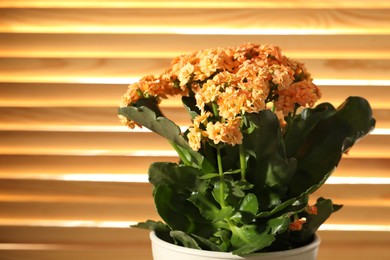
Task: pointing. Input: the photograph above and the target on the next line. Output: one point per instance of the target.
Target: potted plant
(256, 149)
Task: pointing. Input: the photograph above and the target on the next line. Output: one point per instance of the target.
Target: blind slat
(132, 143)
(68, 45)
(47, 167)
(196, 20)
(67, 192)
(195, 3)
(108, 95)
(96, 118)
(59, 200)
(101, 70)
(135, 212)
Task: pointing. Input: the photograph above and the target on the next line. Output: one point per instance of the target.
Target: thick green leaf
(206, 205)
(235, 191)
(268, 168)
(147, 113)
(207, 244)
(279, 225)
(209, 176)
(222, 239)
(215, 175)
(299, 128)
(160, 228)
(184, 239)
(187, 217)
(152, 225)
(224, 213)
(332, 132)
(220, 193)
(184, 179)
(190, 105)
(325, 208)
(247, 210)
(248, 239)
(250, 204)
(293, 205)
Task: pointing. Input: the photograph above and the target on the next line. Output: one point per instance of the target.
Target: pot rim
(156, 240)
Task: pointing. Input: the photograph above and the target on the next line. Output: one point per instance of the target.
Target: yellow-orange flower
(194, 138)
(201, 119)
(232, 134)
(215, 131)
(185, 73)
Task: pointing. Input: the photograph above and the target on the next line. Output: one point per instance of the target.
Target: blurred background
(72, 179)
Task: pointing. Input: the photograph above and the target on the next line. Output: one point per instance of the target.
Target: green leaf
(222, 238)
(184, 239)
(217, 192)
(293, 205)
(209, 176)
(235, 191)
(268, 168)
(184, 179)
(160, 228)
(279, 225)
(205, 205)
(205, 243)
(318, 138)
(232, 172)
(250, 204)
(248, 239)
(190, 105)
(300, 127)
(247, 210)
(187, 217)
(147, 113)
(224, 213)
(152, 225)
(325, 208)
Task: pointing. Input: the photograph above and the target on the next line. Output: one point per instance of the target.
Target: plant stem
(242, 162)
(181, 154)
(215, 109)
(221, 177)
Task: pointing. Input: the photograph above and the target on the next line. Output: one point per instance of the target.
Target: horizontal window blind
(72, 179)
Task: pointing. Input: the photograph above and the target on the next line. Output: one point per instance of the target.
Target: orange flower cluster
(298, 223)
(226, 84)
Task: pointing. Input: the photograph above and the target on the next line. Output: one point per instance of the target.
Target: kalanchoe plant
(255, 152)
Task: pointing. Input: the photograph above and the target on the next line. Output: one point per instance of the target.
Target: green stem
(221, 177)
(273, 107)
(242, 162)
(182, 156)
(215, 109)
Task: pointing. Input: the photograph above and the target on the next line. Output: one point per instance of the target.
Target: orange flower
(297, 224)
(232, 102)
(215, 131)
(194, 139)
(201, 119)
(282, 76)
(185, 73)
(312, 210)
(232, 134)
(228, 133)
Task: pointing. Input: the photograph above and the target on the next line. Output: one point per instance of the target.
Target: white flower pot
(166, 251)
